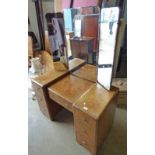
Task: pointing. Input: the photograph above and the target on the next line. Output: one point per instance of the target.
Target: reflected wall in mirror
(108, 32)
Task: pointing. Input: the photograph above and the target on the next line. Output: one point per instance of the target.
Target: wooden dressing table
(76, 90)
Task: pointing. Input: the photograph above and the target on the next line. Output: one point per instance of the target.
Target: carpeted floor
(58, 137)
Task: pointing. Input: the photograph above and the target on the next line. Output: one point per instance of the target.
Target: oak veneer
(87, 72)
(67, 90)
(96, 99)
(92, 106)
(85, 127)
(93, 116)
(47, 106)
(55, 73)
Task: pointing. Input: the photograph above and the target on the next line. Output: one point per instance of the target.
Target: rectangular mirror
(82, 24)
(109, 19)
(57, 39)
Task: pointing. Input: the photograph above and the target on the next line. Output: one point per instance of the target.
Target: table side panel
(47, 106)
(105, 122)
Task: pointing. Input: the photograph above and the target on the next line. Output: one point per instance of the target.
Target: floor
(58, 138)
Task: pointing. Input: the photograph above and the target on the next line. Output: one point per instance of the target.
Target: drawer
(60, 100)
(86, 124)
(86, 134)
(87, 143)
(84, 119)
(85, 130)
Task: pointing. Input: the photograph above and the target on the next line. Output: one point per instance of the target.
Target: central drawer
(67, 90)
(61, 101)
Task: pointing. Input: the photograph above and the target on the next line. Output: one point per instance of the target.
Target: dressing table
(80, 87)
(76, 90)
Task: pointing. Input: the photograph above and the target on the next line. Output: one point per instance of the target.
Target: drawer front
(61, 101)
(85, 127)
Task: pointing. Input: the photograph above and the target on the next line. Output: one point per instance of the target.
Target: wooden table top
(69, 89)
(57, 71)
(95, 100)
(88, 72)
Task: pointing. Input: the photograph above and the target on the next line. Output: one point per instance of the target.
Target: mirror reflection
(81, 26)
(74, 34)
(56, 34)
(108, 32)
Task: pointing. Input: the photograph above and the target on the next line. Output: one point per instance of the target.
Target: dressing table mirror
(83, 24)
(109, 20)
(56, 36)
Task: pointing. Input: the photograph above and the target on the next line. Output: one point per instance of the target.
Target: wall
(84, 3)
(79, 3)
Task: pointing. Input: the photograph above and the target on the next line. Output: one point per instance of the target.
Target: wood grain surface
(87, 72)
(67, 90)
(95, 100)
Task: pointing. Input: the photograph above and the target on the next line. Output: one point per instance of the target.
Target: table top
(87, 72)
(85, 95)
(69, 89)
(57, 71)
(95, 100)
